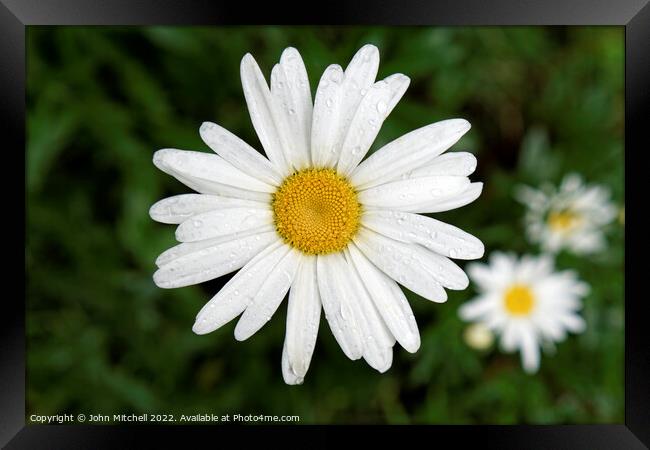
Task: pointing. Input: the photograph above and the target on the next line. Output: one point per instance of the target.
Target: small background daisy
(526, 302)
(572, 216)
(102, 338)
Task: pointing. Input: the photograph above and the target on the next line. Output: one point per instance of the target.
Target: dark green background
(103, 339)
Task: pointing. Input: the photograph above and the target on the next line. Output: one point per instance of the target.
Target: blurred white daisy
(314, 219)
(571, 217)
(525, 302)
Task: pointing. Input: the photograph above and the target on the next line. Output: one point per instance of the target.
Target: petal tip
(288, 53)
(158, 279)
(159, 158)
(153, 212)
(240, 333)
(370, 49)
(463, 125)
(206, 127)
(200, 328)
(413, 346)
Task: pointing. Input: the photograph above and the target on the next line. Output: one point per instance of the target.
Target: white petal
(551, 329)
(573, 322)
(358, 78)
(223, 222)
(471, 193)
(303, 317)
(412, 150)
(370, 114)
(292, 95)
(193, 247)
(386, 358)
(268, 123)
(325, 130)
(503, 263)
(460, 164)
(571, 182)
(511, 336)
(377, 340)
(336, 304)
(529, 350)
(409, 195)
(530, 197)
(389, 300)
(269, 296)
(415, 267)
(398, 84)
(212, 262)
(361, 72)
(239, 153)
(477, 309)
(239, 291)
(210, 174)
(433, 234)
(179, 208)
(288, 374)
(484, 277)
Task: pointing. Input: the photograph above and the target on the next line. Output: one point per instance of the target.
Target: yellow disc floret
(316, 211)
(519, 300)
(563, 221)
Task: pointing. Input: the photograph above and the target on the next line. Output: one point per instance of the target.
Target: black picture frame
(634, 15)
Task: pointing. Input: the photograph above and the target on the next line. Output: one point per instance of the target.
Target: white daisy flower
(571, 217)
(314, 220)
(525, 302)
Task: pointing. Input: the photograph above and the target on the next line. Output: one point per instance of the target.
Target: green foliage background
(103, 339)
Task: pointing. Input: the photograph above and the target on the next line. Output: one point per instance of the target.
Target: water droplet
(292, 111)
(363, 92)
(329, 102)
(381, 107)
(197, 223)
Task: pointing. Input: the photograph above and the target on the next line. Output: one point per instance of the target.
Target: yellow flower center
(519, 300)
(563, 221)
(316, 211)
